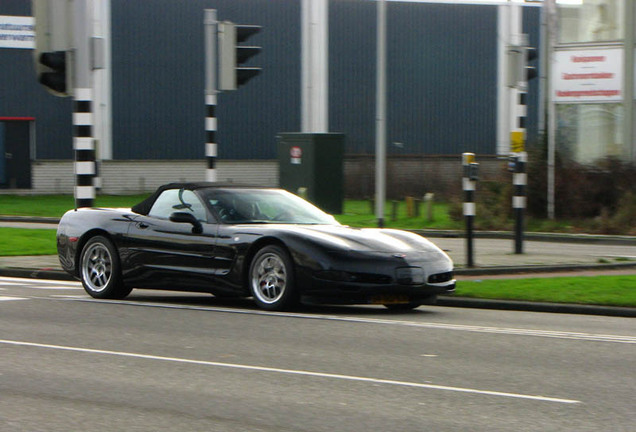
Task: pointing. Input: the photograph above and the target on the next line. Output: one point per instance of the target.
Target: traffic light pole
(210, 29)
(380, 119)
(83, 141)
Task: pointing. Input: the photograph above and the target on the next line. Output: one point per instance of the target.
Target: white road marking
(28, 281)
(54, 288)
(3, 283)
(39, 284)
(293, 372)
(7, 298)
(430, 325)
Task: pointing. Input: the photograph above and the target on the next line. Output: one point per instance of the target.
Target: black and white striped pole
(84, 147)
(519, 157)
(210, 32)
(519, 182)
(520, 72)
(83, 140)
(469, 183)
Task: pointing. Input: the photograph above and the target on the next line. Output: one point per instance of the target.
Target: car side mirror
(185, 217)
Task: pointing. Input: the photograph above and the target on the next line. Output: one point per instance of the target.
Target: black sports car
(248, 241)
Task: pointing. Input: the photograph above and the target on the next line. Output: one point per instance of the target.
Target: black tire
(271, 279)
(100, 270)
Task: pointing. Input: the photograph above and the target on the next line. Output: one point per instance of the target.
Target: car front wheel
(100, 270)
(271, 279)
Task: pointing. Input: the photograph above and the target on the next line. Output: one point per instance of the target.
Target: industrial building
(443, 68)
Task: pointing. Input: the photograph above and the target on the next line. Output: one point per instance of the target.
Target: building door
(15, 153)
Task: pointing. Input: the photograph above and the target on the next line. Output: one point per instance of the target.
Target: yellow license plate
(389, 299)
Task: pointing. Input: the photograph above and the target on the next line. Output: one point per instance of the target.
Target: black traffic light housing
(53, 72)
(530, 54)
(232, 56)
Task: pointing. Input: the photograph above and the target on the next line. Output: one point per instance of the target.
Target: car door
(167, 254)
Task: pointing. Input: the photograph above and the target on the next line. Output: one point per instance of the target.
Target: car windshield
(239, 206)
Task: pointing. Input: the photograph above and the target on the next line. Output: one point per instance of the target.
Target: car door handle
(142, 225)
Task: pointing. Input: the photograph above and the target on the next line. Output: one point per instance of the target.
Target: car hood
(339, 237)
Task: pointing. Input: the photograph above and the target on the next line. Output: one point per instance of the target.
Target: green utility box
(311, 165)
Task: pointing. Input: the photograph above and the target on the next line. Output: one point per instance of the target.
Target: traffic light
(232, 56)
(51, 69)
(520, 68)
(530, 54)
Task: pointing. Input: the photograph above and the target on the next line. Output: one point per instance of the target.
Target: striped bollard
(84, 147)
(469, 182)
(519, 181)
(210, 142)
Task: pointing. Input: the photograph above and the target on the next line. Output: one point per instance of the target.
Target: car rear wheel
(271, 279)
(100, 270)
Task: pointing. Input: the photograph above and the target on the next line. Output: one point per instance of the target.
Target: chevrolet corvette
(239, 241)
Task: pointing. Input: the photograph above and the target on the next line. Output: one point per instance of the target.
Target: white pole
(380, 122)
(503, 92)
(516, 38)
(315, 66)
(551, 30)
(102, 83)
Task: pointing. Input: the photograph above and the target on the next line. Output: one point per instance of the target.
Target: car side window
(178, 200)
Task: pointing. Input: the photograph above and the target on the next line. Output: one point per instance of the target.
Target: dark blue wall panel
(442, 70)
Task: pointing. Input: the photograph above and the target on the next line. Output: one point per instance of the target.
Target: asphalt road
(190, 362)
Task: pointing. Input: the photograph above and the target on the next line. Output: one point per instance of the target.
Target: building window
(588, 133)
(582, 21)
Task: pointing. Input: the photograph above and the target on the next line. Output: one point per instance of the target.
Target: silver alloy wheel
(269, 278)
(97, 267)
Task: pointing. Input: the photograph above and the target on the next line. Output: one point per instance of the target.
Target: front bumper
(381, 284)
(391, 294)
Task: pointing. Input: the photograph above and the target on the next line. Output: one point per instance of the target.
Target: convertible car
(237, 241)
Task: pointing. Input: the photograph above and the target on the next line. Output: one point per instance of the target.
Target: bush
(493, 205)
(581, 191)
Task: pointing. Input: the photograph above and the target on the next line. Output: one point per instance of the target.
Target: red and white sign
(296, 154)
(593, 75)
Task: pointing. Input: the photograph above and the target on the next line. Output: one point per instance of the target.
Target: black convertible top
(143, 208)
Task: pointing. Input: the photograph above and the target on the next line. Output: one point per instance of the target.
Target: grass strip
(19, 241)
(57, 205)
(593, 290)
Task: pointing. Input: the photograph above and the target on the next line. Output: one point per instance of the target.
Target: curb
(30, 219)
(50, 274)
(600, 239)
(510, 305)
(478, 271)
(449, 301)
